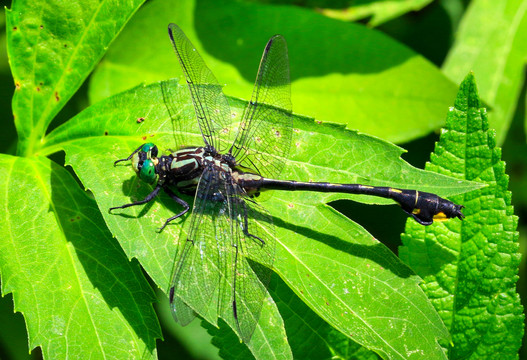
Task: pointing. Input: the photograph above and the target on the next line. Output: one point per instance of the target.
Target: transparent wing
(182, 313)
(254, 252)
(226, 264)
(264, 135)
(210, 104)
(173, 96)
(199, 267)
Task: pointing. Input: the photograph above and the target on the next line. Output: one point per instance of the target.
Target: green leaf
(337, 268)
(310, 336)
(52, 47)
(231, 347)
(492, 42)
(380, 11)
(470, 268)
(79, 294)
(341, 72)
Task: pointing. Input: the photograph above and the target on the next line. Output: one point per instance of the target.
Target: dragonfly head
(144, 162)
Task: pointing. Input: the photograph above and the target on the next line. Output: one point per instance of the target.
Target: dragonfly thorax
(183, 168)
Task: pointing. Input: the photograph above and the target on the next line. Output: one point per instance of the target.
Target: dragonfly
(225, 264)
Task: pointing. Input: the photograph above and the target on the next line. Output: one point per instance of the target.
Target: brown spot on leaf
(144, 137)
(15, 28)
(57, 98)
(17, 85)
(38, 89)
(140, 120)
(106, 133)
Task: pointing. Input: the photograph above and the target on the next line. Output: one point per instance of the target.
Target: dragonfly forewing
(210, 104)
(184, 127)
(265, 131)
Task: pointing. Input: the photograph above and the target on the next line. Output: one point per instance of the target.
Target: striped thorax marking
(186, 168)
(186, 160)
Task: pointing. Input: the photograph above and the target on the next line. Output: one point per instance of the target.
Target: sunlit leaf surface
(345, 275)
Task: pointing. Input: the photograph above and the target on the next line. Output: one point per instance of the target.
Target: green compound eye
(146, 147)
(148, 172)
(150, 149)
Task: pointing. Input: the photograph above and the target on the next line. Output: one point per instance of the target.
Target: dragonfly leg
(148, 198)
(181, 202)
(246, 225)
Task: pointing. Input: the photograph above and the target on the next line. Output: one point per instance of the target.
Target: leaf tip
(468, 96)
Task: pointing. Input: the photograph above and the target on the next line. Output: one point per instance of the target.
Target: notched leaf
(40, 32)
(470, 267)
(70, 279)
